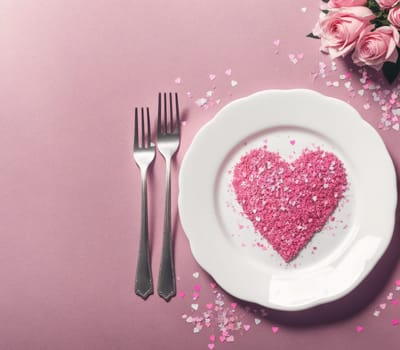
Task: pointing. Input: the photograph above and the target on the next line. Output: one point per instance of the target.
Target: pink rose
(394, 17)
(387, 4)
(340, 29)
(346, 3)
(377, 47)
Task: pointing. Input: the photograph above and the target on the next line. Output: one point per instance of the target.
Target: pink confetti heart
(212, 76)
(300, 56)
(228, 72)
(195, 295)
(246, 327)
(292, 142)
(395, 322)
(326, 179)
(230, 339)
(196, 288)
(234, 305)
(211, 346)
(212, 285)
(178, 80)
(395, 301)
(397, 282)
(221, 338)
(275, 329)
(212, 337)
(382, 306)
(277, 42)
(181, 294)
(209, 306)
(359, 329)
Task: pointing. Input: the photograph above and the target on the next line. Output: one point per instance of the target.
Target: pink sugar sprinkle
(288, 202)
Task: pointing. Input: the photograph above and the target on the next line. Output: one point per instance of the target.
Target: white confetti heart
(196, 275)
(336, 84)
(178, 80)
(257, 321)
(196, 330)
(201, 102)
(212, 76)
(234, 83)
(293, 58)
(397, 128)
(347, 84)
(228, 72)
(361, 92)
(382, 306)
(396, 111)
(209, 93)
(377, 313)
(195, 306)
(304, 9)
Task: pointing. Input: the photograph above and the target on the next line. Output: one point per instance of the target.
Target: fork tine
(171, 112)
(178, 122)
(143, 138)
(159, 114)
(148, 127)
(136, 135)
(165, 114)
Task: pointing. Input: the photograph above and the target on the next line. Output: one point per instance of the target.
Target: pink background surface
(70, 74)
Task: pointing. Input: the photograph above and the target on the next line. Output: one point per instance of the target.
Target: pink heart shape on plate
(288, 202)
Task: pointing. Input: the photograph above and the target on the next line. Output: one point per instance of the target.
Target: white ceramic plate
(225, 243)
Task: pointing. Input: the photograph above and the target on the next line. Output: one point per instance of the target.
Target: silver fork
(168, 139)
(144, 153)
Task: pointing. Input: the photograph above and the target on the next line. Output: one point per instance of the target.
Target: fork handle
(166, 277)
(144, 279)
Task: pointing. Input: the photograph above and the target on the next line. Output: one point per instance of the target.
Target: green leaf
(391, 70)
(373, 6)
(311, 35)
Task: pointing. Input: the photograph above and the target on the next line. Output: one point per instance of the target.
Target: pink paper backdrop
(70, 74)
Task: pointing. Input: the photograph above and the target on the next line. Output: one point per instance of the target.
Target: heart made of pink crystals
(288, 203)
